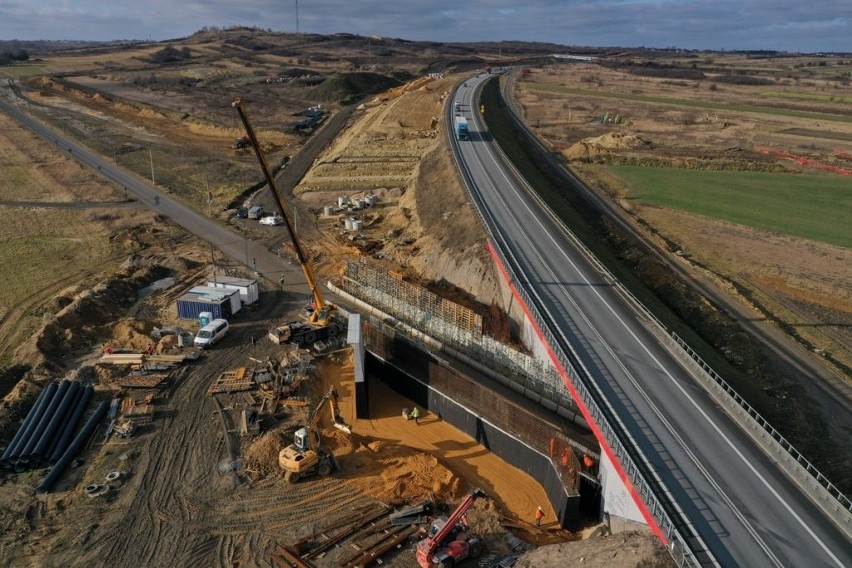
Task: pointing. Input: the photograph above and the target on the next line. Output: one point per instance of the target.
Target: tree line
(9, 57)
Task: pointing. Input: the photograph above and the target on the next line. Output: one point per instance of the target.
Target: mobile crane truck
(306, 456)
(449, 540)
(318, 317)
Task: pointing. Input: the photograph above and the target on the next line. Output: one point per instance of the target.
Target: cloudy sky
(787, 25)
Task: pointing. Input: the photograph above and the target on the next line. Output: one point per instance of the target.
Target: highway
(743, 508)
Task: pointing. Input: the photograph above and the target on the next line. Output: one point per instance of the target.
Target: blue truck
(461, 128)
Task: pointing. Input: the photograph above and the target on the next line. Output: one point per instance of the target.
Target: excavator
(319, 318)
(449, 540)
(305, 456)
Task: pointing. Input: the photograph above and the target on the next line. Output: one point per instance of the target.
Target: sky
(783, 25)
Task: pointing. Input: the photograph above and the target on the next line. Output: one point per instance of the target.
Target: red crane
(449, 540)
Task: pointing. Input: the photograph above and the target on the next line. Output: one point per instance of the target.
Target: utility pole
(151, 158)
(209, 196)
(213, 262)
(297, 16)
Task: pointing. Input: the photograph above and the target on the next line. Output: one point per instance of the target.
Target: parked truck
(461, 128)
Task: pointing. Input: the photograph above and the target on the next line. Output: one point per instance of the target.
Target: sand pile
(261, 456)
(604, 144)
(624, 550)
(392, 472)
(131, 333)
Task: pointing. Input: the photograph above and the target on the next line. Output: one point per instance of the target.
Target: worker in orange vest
(539, 515)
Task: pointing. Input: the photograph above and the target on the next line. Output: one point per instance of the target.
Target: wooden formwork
(141, 381)
(235, 380)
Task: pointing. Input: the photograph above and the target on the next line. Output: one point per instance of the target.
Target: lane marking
(653, 358)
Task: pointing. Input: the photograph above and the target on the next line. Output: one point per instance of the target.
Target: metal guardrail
(842, 509)
(680, 551)
(843, 503)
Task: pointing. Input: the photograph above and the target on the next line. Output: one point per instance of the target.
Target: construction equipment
(449, 540)
(305, 456)
(319, 316)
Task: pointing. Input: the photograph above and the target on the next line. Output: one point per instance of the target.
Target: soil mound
(602, 145)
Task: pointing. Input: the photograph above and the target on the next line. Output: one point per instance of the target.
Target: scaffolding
(454, 326)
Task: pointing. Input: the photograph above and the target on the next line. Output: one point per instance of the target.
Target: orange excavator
(449, 540)
(318, 317)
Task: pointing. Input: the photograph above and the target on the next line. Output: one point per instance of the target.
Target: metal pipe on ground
(26, 453)
(50, 431)
(19, 434)
(51, 478)
(64, 424)
(48, 396)
(62, 445)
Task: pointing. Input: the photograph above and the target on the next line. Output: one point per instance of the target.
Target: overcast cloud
(786, 25)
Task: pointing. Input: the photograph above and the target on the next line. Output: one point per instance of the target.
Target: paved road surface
(742, 506)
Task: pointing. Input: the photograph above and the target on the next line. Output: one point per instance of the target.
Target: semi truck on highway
(461, 128)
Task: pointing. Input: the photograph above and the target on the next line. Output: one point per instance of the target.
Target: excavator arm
(319, 305)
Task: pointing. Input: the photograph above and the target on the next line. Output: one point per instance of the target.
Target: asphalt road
(255, 255)
(740, 504)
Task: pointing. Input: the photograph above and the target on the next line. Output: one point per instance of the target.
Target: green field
(814, 207)
(20, 71)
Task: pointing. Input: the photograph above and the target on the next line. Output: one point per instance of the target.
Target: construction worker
(416, 415)
(539, 515)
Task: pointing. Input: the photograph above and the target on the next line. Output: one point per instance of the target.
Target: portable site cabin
(214, 293)
(190, 306)
(248, 289)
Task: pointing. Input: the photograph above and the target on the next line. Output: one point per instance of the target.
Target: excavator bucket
(341, 425)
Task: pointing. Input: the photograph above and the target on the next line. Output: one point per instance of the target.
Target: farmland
(808, 206)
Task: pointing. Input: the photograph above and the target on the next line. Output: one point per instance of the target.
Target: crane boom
(319, 301)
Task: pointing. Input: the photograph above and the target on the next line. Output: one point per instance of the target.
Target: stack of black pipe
(46, 432)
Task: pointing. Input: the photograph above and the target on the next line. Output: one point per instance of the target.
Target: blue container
(190, 306)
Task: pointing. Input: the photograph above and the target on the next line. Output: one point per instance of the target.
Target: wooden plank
(141, 381)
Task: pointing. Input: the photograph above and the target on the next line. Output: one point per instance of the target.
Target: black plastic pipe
(33, 411)
(62, 445)
(50, 430)
(26, 453)
(25, 437)
(64, 424)
(51, 478)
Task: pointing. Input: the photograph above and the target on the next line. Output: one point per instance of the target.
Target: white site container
(248, 289)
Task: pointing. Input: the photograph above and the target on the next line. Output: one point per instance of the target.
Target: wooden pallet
(235, 380)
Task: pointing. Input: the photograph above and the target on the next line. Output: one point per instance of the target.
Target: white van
(211, 333)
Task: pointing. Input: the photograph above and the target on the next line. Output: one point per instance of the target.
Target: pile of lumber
(235, 380)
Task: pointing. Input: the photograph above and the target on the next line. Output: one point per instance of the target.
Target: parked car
(242, 213)
(255, 212)
(211, 333)
(275, 219)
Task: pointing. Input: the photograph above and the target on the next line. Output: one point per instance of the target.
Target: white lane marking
(671, 378)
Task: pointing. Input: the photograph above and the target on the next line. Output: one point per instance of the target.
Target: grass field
(814, 207)
(21, 71)
(690, 103)
(808, 97)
